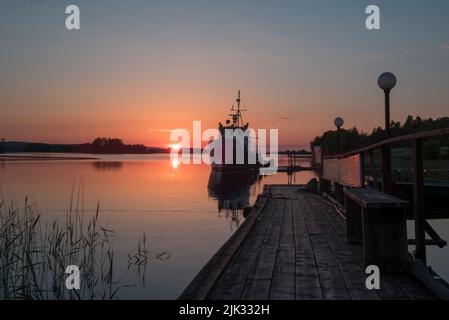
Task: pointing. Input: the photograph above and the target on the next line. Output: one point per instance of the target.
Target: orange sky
(134, 71)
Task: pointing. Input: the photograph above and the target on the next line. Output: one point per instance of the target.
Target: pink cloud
(445, 46)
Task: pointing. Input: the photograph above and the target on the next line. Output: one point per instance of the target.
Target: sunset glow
(175, 147)
(135, 72)
(227, 150)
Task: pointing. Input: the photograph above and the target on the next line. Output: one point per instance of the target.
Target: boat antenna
(239, 111)
(237, 116)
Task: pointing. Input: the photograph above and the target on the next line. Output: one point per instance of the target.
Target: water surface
(169, 202)
(138, 194)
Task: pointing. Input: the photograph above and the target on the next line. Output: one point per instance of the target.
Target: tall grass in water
(34, 254)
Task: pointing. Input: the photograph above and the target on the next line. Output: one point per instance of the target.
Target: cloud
(445, 46)
(152, 130)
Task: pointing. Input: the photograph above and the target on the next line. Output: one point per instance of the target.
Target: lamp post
(387, 81)
(338, 122)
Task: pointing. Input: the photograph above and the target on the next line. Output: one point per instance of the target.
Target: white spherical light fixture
(387, 81)
(339, 122)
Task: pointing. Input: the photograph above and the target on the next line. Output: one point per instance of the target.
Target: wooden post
(381, 221)
(373, 168)
(325, 186)
(385, 238)
(339, 196)
(418, 199)
(354, 231)
(387, 182)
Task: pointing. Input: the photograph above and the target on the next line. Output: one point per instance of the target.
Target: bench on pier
(378, 220)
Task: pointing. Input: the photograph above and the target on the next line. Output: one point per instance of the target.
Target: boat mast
(239, 111)
(239, 114)
(237, 119)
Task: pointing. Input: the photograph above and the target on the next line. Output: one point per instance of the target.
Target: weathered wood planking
(258, 287)
(294, 246)
(372, 198)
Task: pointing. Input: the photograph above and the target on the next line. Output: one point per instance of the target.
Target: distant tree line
(352, 139)
(112, 146)
(99, 146)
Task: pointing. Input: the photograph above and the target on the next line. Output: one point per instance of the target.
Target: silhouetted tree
(108, 145)
(353, 139)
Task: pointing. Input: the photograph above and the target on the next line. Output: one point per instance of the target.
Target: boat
(232, 191)
(235, 123)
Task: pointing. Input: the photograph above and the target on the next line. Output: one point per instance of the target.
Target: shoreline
(25, 157)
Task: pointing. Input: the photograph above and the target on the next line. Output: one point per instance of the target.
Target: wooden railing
(417, 139)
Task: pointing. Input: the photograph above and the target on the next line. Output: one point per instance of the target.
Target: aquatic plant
(34, 254)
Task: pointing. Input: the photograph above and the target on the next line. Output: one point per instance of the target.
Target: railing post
(325, 186)
(418, 199)
(387, 112)
(373, 168)
(387, 182)
(339, 195)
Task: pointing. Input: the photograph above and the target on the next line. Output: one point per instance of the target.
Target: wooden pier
(293, 245)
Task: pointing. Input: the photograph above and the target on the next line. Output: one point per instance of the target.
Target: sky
(137, 69)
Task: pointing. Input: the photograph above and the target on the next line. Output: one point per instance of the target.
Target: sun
(175, 147)
(175, 163)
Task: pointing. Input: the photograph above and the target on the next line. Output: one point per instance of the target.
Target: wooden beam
(438, 243)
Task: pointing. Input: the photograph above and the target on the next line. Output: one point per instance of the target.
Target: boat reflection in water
(232, 190)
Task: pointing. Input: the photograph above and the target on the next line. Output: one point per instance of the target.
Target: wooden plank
(258, 285)
(231, 283)
(332, 282)
(283, 282)
(347, 260)
(351, 266)
(307, 280)
(389, 288)
(294, 247)
(335, 218)
(202, 284)
(313, 223)
(372, 198)
(412, 288)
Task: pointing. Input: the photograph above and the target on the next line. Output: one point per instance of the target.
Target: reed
(34, 254)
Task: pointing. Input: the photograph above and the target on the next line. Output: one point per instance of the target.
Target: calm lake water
(139, 194)
(170, 203)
